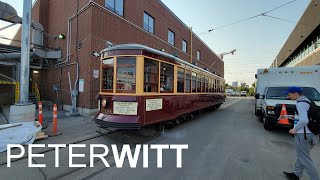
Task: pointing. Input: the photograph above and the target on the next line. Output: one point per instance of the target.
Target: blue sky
(257, 41)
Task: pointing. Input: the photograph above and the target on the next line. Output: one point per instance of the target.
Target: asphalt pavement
(229, 143)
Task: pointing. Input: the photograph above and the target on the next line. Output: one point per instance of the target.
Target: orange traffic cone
(40, 113)
(55, 120)
(284, 121)
(55, 131)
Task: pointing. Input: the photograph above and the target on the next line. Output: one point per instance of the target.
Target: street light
(61, 36)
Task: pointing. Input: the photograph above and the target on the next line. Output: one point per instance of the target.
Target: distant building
(302, 47)
(235, 84)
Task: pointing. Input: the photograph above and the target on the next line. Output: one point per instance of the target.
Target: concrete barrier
(22, 113)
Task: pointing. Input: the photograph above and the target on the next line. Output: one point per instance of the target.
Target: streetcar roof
(155, 51)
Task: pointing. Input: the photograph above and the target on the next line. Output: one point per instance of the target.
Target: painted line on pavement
(230, 104)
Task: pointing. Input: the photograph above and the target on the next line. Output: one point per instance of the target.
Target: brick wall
(97, 25)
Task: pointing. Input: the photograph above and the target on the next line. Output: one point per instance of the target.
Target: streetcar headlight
(104, 103)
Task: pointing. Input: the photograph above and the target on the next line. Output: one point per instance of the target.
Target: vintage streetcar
(141, 86)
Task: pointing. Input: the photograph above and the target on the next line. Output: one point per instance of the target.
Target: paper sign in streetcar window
(153, 104)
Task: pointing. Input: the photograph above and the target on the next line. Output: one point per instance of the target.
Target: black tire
(266, 124)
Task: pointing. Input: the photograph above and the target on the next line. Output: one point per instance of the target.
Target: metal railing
(35, 91)
(17, 90)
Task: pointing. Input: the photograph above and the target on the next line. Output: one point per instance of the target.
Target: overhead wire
(246, 19)
(273, 17)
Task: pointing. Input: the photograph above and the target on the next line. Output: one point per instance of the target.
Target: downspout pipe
(74, 92)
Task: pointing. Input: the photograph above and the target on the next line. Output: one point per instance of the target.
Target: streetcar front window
(126, 74)
(107, 74)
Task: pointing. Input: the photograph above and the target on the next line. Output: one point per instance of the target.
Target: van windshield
(277, 93)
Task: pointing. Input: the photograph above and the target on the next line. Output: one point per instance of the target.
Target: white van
(272, 82)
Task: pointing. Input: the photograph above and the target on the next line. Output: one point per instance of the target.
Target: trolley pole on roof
(25, 53)
(191, 45)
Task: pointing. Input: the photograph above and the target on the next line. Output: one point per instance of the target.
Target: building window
(148, 23)
(166, 77)
(184, 46)
(171, 37)
(151, 74)
(115, 6)
(126, 74)
(198, 55)
(180, 83)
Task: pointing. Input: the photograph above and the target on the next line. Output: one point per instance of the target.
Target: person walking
(304, 139)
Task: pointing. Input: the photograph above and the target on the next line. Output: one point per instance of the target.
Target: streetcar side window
(166, 78)
(207, 84)
(203, 88)
(198, 83)
(210, 85)
(188, 81)
(180, 80)
(107, 74)
(126, 74)
(151, 74)
(194, 82)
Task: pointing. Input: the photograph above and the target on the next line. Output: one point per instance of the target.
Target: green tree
(251, 91)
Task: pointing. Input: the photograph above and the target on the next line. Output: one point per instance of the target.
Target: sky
(257, 41)
(10, 32)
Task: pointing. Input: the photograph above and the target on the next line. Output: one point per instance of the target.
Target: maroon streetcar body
(173, 107)
(141, 86)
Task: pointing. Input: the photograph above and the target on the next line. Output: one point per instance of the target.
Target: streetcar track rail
(102, 168)
(144, 135)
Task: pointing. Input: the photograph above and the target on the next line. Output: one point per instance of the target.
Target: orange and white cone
(40, 113)
(55, 122)
(284, 121)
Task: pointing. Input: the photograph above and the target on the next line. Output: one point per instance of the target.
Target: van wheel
(266, 124)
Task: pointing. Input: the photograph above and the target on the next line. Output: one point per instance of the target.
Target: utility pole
(25, 53)
(24, 111)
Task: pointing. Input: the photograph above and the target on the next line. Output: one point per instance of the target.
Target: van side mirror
(257, 96)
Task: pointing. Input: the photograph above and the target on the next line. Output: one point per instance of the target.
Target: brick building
(88, 25)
